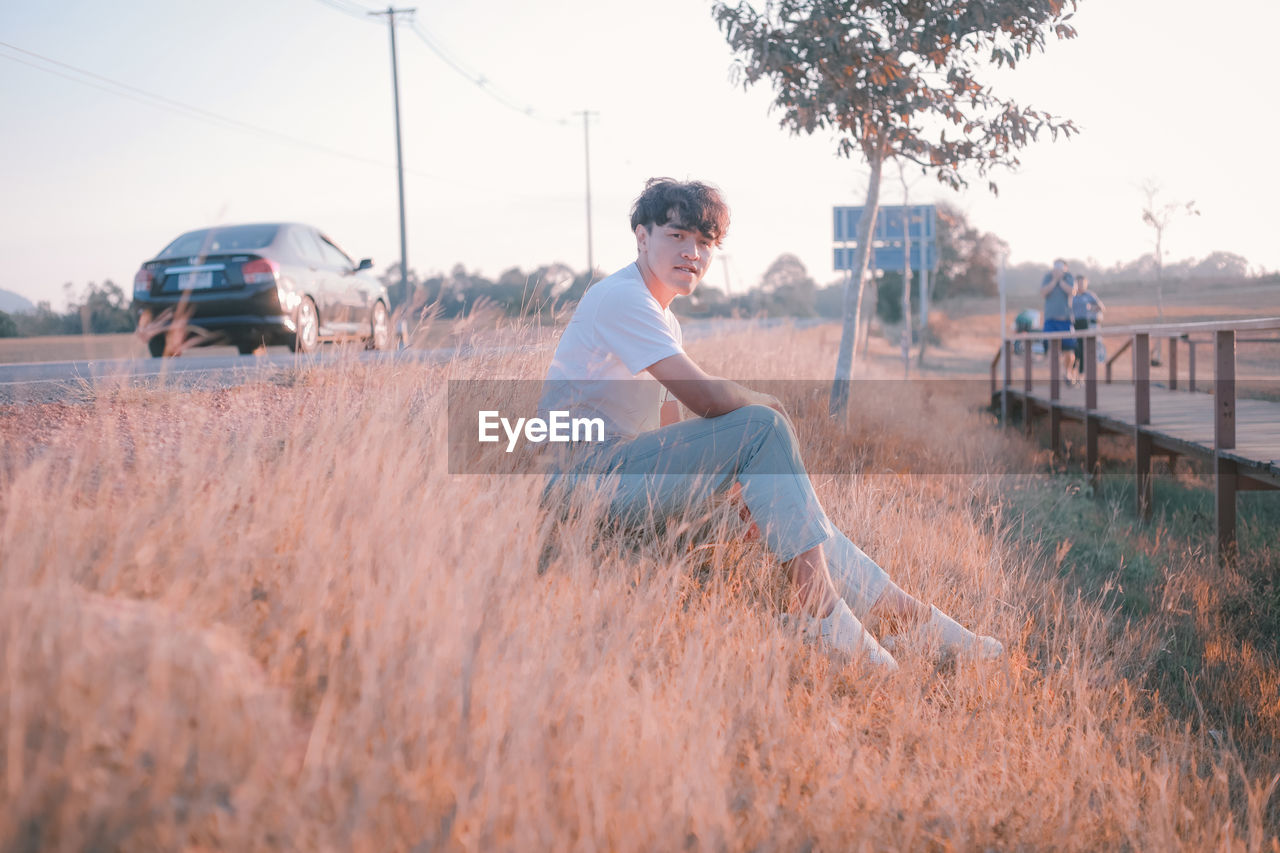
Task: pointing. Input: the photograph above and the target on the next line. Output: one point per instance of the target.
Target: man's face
(678, 256)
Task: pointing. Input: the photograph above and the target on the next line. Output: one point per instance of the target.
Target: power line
(151, 99)
(481, 81)
(355, 10)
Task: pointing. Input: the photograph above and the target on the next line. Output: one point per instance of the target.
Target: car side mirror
(365, 264)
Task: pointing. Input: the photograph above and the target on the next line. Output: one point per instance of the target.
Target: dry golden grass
(267, 618)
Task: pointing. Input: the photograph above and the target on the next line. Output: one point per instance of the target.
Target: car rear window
(211, 241)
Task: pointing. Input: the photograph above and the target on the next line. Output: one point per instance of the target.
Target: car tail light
(142, 281)
(260, 271)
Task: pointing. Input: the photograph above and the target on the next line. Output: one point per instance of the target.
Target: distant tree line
(514, 293)
(101, 309)
(968, 262)
(968, 265)
(1218, 266)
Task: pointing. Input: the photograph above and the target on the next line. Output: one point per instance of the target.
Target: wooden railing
(1128, 343)
(1229, 476)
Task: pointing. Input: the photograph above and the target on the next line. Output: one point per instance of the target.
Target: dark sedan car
(248, 285)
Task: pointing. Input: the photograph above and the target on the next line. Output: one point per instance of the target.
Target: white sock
(954, 637)
(842, 631)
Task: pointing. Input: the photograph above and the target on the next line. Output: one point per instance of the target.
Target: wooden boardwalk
(1181, 422)
(1240, 437)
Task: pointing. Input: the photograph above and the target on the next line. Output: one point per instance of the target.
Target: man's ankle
(841, 632)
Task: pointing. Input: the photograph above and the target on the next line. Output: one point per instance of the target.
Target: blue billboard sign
(887, 240)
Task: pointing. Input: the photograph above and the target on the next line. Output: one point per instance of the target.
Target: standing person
(1057, 289)
(1086, 308)
(622, 359)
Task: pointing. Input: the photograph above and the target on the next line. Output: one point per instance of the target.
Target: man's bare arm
(705, 395)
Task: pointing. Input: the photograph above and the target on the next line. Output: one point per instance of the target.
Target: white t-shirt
(617, 331)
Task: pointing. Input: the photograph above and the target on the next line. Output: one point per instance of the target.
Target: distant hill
(12, 303)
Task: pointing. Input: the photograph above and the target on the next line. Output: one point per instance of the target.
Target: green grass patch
(1213, 629)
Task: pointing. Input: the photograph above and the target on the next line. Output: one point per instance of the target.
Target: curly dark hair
(691, 204)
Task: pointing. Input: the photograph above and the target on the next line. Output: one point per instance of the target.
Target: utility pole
(403, 294)
(586, 141)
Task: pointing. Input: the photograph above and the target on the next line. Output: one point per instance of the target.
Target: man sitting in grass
(622, 359)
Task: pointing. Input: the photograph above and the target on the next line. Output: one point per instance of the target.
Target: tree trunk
(870, 299)
(839, 404)
(906, 274)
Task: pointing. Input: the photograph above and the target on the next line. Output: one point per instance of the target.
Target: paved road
(77, 381)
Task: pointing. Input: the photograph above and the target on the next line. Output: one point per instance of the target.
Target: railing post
(1224, 438)
(1142, 378)
(1055, 368)
(1026, 387)
(1008, 381)
(1141, 419)
(1055, 414)
(1173, 364)
(1090, 404)
(1191, 365)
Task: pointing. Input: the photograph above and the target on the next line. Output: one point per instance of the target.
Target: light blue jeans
(677, 469)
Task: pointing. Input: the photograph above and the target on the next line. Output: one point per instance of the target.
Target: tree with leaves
(786, 289)
(968, 258)
(1221, 265)
(896, 79)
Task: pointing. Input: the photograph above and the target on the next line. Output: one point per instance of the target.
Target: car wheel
(379, 327)
(306, 324)
(248, 347)
(156, 346)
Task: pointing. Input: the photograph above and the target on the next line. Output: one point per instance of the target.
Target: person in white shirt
(621, 359)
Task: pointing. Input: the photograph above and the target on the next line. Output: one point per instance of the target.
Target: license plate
(195, 280)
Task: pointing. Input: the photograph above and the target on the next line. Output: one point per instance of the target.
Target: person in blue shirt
(1086, 308)
(1058, 287)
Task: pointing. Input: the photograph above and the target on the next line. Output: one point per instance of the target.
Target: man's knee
(760, 415)
(760, 424)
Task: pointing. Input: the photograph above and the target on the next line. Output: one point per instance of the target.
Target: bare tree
(1159, 215)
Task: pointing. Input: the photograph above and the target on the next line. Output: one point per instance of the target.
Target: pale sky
(92, 183)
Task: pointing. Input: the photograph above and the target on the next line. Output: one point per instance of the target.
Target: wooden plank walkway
(1239, 437)
(1181, 421)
